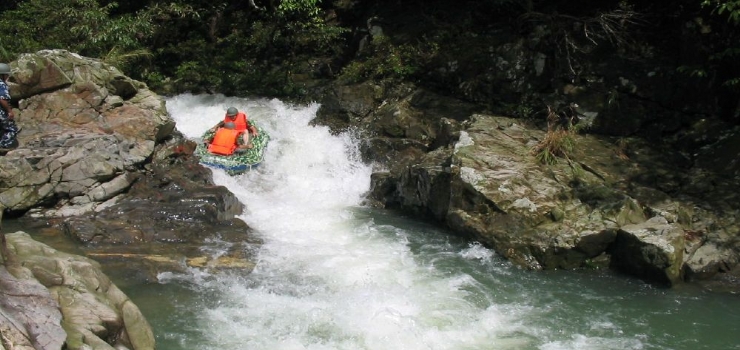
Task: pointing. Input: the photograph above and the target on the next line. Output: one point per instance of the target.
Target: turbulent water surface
(335, 275)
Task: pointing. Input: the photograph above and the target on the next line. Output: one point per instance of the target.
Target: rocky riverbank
(101, 162)
(618, 202)
(55, 300)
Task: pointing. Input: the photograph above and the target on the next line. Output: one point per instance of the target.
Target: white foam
(327, 278)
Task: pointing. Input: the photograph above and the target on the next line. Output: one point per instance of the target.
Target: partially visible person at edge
(7, 119)
(241, 122)
(227, 141)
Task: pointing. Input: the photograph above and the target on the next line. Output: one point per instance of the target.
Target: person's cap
(232, 111)
(5, 69)
(230, 125)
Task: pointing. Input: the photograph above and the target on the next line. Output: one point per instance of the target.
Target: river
(333, 274)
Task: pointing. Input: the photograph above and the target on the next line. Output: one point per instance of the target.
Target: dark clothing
(7, 126)
(9, 130)
(4, 93)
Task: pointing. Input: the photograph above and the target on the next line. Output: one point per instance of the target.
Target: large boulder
(652, 250)
(85, 128)
(606, 204)
(30, 317)
(99, 161)
(67, 302)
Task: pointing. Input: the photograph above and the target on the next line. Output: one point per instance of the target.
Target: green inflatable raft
(237, 163)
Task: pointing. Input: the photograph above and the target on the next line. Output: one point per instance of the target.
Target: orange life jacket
(224, 141)
(240, 121)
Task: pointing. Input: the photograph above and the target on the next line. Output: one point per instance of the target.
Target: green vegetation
(388, 61)
(559, 141)
(274, 47)
(183, 45)
(723, 55)
(729, 8)
(88, 28)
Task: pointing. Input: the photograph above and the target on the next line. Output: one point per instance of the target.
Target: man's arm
(6, 106)
(220, 124)
(242, 143)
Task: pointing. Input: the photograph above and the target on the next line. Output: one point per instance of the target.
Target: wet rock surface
(57, 300)
(101, 172)
(622, 202)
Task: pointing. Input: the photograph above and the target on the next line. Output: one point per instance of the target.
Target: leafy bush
(87, 28)
(729, 8)
(386, 60)
(726, 55)
(81, 26)
(559, 141)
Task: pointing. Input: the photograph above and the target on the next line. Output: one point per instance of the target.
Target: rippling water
(335, 275)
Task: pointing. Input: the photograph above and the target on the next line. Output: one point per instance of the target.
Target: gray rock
(100, 161)
(84, 124)
(93, 309)
(484, 182)
(652, 250)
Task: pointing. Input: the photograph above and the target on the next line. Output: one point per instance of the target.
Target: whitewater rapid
(332, 274)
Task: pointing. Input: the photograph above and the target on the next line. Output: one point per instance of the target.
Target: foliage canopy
(185, 45)
(272, 47)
